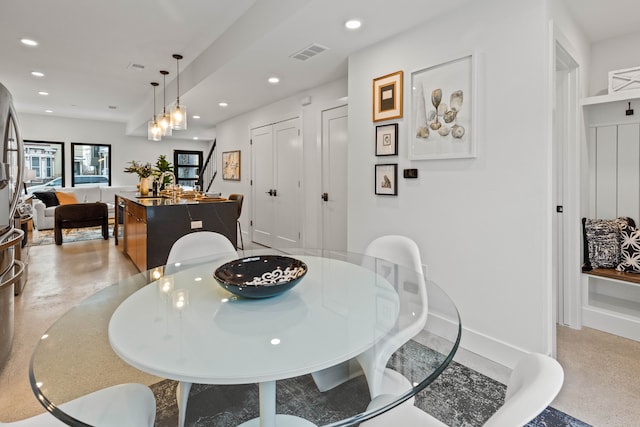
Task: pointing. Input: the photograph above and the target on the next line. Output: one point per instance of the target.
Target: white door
(287, 184)
(262, 180)
(276, 160)
(334, 178)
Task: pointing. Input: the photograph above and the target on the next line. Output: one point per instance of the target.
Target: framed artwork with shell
(386, 177)
(443, 110)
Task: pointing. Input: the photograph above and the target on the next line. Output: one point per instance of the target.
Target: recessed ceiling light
(195, 137)
(353, 24)
(223, 104)
(195, 117)
(37, 74)
(48, 111)
(274, 80)
(29, 42)
(43, 93)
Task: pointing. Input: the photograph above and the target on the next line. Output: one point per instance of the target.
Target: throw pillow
(602, 241)
(47, 197)
(629, 249)
(66, 198)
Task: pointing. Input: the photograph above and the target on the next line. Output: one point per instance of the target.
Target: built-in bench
(611, 302)
(612, 273)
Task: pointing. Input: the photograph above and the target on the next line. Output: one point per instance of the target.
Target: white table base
(268, 416)
(182, 395)
(281, 420)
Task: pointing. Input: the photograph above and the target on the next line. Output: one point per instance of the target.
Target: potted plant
(144, 171)
(162, 165)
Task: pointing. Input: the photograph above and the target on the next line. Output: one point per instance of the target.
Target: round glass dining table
(352, 321)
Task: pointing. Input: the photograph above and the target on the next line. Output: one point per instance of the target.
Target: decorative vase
(144, 186)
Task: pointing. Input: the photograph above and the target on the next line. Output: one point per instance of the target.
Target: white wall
(123, 148)
(482, 224)
(234, 134)
(609, 55)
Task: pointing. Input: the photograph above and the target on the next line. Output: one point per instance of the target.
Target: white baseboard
(488, 354)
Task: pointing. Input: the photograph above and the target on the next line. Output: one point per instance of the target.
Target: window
(91, 164)
(45, 164)
(187, 166)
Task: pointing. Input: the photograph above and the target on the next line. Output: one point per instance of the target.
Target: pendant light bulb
(164, 118)
(178, 112)
(154, 132)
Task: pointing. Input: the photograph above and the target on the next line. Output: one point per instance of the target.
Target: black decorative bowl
(260, 276)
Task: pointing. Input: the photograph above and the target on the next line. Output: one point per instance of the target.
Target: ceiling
(91, 52)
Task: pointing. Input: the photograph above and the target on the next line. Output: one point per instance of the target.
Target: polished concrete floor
(601, 371)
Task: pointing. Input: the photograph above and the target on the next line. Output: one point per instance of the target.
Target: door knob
(325, 197)
(270, 192)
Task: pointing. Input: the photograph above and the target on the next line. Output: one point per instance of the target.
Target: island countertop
(169, 200)
(153, 224)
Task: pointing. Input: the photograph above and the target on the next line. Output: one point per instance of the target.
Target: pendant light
(178, 112)
(164, 118)
(154, 132)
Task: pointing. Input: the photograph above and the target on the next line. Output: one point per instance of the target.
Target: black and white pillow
(602, 241)
(629, 249)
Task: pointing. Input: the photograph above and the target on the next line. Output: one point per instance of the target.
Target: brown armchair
(79, 215)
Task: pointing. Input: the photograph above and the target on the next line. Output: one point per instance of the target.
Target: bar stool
(239, 198)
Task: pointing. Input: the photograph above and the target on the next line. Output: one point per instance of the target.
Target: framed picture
(387, 140)
(387, 179)
(231, 165)
(387, 97)
(441, 124)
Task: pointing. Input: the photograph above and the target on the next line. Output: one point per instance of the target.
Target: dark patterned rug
(459, 397)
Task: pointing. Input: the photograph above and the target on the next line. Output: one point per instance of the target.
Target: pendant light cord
(178, 58)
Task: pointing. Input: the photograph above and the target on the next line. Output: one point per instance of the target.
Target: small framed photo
(387, 140)
(387, 179)
(387, 97)
(231, 165)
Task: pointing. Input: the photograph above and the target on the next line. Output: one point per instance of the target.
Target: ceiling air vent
(134, 66)
(309, 51)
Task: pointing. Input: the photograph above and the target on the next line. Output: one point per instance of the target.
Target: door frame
(563, 59)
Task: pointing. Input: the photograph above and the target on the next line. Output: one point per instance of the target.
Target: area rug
(460, 397)
(46, 237)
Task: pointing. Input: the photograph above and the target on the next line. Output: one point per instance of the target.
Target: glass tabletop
(349, 314)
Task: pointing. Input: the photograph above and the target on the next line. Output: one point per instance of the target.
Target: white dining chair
(121, 405)
(404, 252)
(534, 383)
(197, 245)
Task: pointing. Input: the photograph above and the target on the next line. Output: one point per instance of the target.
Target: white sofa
(43, 216)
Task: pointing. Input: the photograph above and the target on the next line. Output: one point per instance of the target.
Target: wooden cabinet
(135, 233)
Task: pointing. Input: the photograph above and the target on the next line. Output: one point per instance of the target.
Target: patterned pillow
(602, 241)
(629, 249)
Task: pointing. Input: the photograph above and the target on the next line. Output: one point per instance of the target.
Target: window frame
(29, 157)
(198, 167)
(73, 165)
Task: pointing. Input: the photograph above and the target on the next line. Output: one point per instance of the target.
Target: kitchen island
(152, 224)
